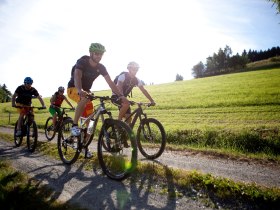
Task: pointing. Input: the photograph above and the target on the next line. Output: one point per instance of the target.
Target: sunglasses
(98, 54)
(26, 83)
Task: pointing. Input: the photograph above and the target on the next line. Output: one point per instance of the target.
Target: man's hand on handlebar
(83, 93)
(152, 103)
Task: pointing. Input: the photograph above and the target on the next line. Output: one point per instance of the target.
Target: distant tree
(237, 62)
(179, 77)
(5, 94)
(2, 95)
(198, 70)
(277, 3)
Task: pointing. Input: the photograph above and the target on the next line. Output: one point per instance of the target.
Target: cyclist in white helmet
(125, 82)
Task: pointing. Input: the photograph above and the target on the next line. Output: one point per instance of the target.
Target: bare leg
(79, 109)
(123, 109)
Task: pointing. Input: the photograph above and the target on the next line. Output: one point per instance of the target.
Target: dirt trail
(75, 184)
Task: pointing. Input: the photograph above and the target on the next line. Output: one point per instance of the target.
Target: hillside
(234, 101)
(237, 113)
(249, 99)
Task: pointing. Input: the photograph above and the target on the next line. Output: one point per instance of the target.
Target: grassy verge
(258, 144)
(218, 192)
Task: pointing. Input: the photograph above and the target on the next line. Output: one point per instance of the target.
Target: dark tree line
(5, 94)
(223, 62)
(254, 55)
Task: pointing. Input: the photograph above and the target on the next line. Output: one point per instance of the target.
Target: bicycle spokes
(68, 146)
(151, 138)
(116, 160)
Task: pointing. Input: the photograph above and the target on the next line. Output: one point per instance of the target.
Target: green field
(229, 112)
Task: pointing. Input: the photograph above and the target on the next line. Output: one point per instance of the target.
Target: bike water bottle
(90, 127)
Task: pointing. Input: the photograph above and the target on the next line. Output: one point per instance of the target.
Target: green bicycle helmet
(96, 47)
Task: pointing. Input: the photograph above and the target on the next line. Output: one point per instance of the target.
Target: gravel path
(95, 191)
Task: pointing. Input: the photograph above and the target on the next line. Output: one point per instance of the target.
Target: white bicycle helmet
(133, 64)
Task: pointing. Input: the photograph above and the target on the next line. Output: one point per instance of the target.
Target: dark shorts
(115, 100)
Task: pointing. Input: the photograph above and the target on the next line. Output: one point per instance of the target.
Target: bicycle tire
(151, 138)
(32, 136)
(17, 139)
(68, 146)
(49, 128)
(117, 162)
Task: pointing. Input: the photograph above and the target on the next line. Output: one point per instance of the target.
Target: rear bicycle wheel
(151, 138)
(32, 136)
(116, 160)
(68, 146)
(17, 139)
(49, 129)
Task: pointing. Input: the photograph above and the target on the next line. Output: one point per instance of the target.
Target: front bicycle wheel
(68, 146)
(118, 159)
(151, 138)
(49, 129)
(17, 139)
(32, 136)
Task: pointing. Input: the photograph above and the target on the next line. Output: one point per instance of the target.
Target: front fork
(147, 131)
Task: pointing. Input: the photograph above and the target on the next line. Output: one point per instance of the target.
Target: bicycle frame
(26, 123)
(137, 113)
(61, 117)
(29, 113)
(99, 111)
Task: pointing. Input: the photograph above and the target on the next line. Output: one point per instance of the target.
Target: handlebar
(102, 98)
(36, 107)
(141, 103)
(64, 108)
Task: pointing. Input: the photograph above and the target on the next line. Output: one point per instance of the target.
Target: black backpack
(129, 83)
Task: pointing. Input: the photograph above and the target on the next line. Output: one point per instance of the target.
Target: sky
(43, 39)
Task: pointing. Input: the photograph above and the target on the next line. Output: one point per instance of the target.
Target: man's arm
(148, 96)
(68, 102)
(78, 82)
(14, 99)
(41, 101)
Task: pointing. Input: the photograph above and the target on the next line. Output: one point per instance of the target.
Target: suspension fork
(142, 117)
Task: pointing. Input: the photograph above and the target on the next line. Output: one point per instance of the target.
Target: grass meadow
(235, 113)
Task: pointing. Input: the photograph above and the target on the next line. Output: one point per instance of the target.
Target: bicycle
(28, 129)
(151, 136)
(116, 161)
(50, 129)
